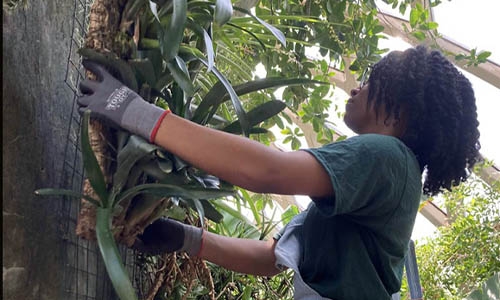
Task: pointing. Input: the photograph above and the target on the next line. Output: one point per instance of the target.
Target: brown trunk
(103, 36)
(104, 21)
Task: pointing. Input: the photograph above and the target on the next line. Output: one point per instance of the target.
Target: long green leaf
(216, 95)
(223, 11)
(250, 33)
(171, 37)
(257, 115)
(212, 98)
(253, 208)
(202, 33)
(181, 77)
(136, 149)
(142, 207)
(111, 257)
(272, 82)
(69, 193)
(277, 33)
(240, 112)
(210, 212)
(145, 70)
(90, 164)
(154, 56)
(196, 204)
(169, 190)
(224, 208)
(154, 9)
(210, 50)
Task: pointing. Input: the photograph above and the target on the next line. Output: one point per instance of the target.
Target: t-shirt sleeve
(361, 169)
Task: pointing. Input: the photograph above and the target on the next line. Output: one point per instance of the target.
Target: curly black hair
(439, 109)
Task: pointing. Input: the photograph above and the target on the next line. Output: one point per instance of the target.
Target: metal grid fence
(84, 276)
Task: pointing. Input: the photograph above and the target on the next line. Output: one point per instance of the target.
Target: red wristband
(157, 126)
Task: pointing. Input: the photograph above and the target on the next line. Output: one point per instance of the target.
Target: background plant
(465, 253)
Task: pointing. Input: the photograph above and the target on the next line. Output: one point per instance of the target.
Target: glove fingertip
(83, 101)
(94, 67)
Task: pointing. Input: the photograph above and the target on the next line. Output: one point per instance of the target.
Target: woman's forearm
(240, 255)
(241, 161)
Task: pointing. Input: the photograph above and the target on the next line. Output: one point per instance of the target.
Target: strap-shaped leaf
(154, 56)
(210, 212)
(253, 208)
(171, 37)
(90, 164)
(182, 65)
(154, 9)
(250, 33)
(68, 193)
(135, 149)
(181, 77)
(216, 95)
(145, 70)
(143, 208)
(168, 190)
(210, 50)
(222, 207)
(111, 257)
(240, 112)
(213, 98)
(258, 114)
(276, 32)
(223, 11)
(201, 32)
(196, 204)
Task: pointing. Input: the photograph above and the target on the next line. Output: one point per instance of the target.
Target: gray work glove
(111, 101)
(167, 235)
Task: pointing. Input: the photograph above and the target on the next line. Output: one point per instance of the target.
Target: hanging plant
(165, 52)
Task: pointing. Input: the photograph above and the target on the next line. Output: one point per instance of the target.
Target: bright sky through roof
(471, 24)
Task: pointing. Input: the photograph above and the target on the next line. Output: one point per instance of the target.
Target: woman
(415, 116)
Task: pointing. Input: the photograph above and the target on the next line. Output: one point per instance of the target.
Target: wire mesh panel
(84, 275)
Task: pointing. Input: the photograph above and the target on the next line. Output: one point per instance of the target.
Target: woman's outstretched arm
(243, 162)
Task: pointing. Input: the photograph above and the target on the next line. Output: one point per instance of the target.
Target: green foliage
(466, 253)
(232, 285)
(474, 58)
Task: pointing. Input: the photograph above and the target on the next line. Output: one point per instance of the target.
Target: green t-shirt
(354, 244)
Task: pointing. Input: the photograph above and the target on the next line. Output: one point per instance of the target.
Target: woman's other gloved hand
(167, 235)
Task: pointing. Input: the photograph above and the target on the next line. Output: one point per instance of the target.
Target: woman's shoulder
(374, 143)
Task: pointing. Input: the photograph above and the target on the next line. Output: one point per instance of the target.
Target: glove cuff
(143, 118)
(193, 238)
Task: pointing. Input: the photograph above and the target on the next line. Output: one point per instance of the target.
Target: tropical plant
(465, 253)
(147, 182)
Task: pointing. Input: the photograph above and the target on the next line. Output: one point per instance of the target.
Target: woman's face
(361, 115)
(358, 116)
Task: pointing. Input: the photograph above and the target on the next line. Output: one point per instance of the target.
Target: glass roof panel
(471, 24)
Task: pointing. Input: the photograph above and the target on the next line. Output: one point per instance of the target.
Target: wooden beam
(434, 214)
